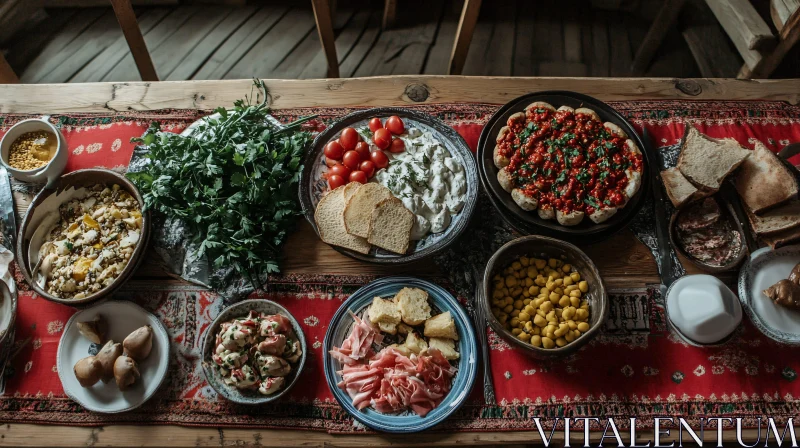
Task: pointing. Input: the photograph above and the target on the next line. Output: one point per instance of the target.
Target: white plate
(765, 268)
(123, 317)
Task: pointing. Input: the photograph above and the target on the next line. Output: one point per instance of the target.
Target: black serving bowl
(313, 186)
(529, 222)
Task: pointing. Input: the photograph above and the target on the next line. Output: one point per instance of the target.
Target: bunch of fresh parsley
(233, 181)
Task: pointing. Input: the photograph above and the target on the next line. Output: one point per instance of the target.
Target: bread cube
(403, 328)
(413, 304)
(441, 326)
(446, 346)
(384, 311)
(415, 343)
(387, 327)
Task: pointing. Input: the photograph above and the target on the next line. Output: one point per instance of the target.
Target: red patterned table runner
(637, 368)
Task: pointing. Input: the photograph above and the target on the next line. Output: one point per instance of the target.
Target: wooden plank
(114, 53)
(711, 51)
(674, 59)
(735, 29)
(548, 38)
(39, 33)
(782, 10)
(600, 65)
(655, 36)
(299, 59)
(212, 40)
(84, 49)
(389, 14)
(621, 59)
(349, 34)
(240, 42)
(412, 58)
(159, 35)
(789, 37)
(274, 46)
(14, 14)
(55, 51)
(463, 38)
(572, 39)
(366, 42)
(743, 24)
(438, 61)
(133, 36)
(563, 68)
(523, 64)
(499, 59)
(323, 16)
(479, 46)
(371, 92)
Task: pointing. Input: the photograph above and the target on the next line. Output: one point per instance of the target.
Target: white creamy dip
(430, 182)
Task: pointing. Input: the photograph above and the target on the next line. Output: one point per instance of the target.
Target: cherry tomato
(379, 159)
(358, 176)
(349, 138)
(336, 181)
(382, 138)
(375, 124)
(351, 160)
(362, 148)
(334, 150)
(397, 146)
(368, 168)
(339, 170)
(395, 125)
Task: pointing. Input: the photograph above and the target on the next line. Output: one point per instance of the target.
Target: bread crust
(540, 105)
(524, 201)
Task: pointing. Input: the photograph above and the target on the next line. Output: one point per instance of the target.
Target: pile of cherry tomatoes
(349, 158)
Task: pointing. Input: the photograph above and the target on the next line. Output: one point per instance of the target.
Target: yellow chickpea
(554, 296)
(528, 282)
(524, 317)
(558, 282)
(583, 327)
(581, 315)
(541, 281)
(529, 327)
(546, 307)
(524, 337)
(539, 321)
(570, 288)
(515, 313)
(541, 312)
(514, 321)
(551, 316)
(583, 286)
(575, 293)
(569, 337)
(553, 263)
(575, 277)
(516, 265)
(534, 290)
(574, 301)
(516, 331)
(572, 325)
(525, 261)
(536, 341)
(568, 313)
(568, 282)
(540, 264)
(563, 301)
(535, 330)
(566, 268)
(527, 302)
(559, 291)
(508, 309)
(511, 281)
(548, 343)
(550, 285)
(518, 304)
(561, 342)
(530, 309)
(532, 272)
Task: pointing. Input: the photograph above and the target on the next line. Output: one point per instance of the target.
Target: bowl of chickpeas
(544, 296)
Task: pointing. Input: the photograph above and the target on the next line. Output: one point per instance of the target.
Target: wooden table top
(631, 265)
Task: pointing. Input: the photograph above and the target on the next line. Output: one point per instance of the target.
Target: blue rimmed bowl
(441, 301)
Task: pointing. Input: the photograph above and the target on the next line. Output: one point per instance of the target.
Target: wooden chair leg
(389, 13)
(133, 34)
(324, 18)
(7, 75)
(789, 36)
(655, 35)
(466, 27)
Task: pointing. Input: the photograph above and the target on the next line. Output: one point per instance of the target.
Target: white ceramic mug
(44, 174)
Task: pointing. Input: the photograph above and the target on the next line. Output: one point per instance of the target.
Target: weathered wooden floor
(278, 40)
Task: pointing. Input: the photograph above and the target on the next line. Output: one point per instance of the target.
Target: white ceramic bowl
(45, 174)
(703, 309)
(123, 317)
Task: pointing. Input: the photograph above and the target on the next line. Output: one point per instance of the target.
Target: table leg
(655, 35)
(7, 75)
(466, 27)
(323, 16)
(133, 34)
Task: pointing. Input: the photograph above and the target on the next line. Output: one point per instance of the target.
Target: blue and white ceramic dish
(242, 309)
(441, 301)
(765, 268)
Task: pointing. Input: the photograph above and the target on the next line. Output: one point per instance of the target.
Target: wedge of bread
(330, 222)
(383, 311)
(413, 304)
(706, 161)
(782, 238)
(679, 190)
(390, 225)
(359, 207)
(441, 326)
(763, 181)
(446, 346)
(415, 344)
(776, 220)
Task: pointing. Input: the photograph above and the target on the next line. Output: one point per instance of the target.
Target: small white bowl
(44, 174)
(703, 310)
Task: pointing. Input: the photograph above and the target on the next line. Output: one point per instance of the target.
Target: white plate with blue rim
(440, 301)
(764, 268)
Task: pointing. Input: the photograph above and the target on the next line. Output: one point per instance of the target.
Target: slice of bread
(330, 223)
(359, 207)
(763, 181)
(446, 346)
(413, 304)
(387, 327)
(403, 328)
(383, 311)
(390, 225)
(776, 220)
(679, 189)
(706, 161)
(782, 238)
(349, 190)
(441, 326)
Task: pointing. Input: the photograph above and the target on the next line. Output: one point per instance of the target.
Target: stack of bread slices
(766, 186)
(357, 216)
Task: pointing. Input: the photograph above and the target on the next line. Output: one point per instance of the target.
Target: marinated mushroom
(139, 343)
(107, 355)
(794, 276)
(126, 372)
(88, 371)
(95, 329)
(784, 293)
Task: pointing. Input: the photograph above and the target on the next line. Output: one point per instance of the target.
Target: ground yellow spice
(32, 150)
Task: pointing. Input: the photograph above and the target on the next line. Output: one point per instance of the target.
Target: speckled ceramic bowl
(241, 309)
(313, 186)
(441, 301)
